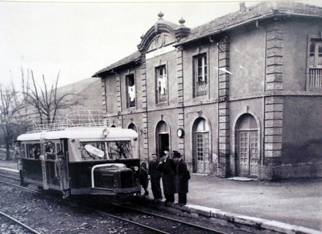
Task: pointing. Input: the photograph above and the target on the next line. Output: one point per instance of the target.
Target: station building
(238, 96)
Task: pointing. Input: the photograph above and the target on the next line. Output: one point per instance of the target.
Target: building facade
(238, 96)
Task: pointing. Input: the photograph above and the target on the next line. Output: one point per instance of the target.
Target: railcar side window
(50, 150)
(59, 149)
(33, 151)
(22, 151)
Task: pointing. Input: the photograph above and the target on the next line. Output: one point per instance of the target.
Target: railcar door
(44, 170)
(62, 165)
(54, 165)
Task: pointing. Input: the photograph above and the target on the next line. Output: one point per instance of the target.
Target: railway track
(150, 222)
(100, 212)
(160, 222)
(193, 225)
(17, 222)
(3, 175)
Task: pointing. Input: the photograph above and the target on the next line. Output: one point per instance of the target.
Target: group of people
(174, 174)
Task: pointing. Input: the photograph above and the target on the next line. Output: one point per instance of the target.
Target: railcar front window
(112, 150)
(90, 154)
(119, 150)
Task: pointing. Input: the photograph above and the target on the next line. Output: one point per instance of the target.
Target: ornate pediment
(161, 40)
(162, 33)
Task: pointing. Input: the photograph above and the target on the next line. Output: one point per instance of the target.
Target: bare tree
(47, 100)
(10, 106)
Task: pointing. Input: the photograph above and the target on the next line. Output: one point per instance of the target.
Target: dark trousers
(145, 188)
(169, 197)
(182, 198)
(156, 188)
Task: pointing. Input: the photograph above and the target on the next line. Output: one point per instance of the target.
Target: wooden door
(253, 153)
(243, 153)
(248, 154)
(201, 152)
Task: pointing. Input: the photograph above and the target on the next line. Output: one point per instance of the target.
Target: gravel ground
(8, 227)
(52, 216)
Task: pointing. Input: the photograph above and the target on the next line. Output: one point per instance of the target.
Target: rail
(172, 219)
(129, 220)
(102, 213)
(30, 229)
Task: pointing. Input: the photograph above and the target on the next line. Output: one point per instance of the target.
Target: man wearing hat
(182, 178)
(168, 170)
(155, 176)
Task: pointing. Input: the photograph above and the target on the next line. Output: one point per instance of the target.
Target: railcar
(81, 160)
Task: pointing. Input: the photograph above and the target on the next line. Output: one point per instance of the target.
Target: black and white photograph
(167, 117)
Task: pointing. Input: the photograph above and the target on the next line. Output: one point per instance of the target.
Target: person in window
(144, 179)
(36, 151)
(182, 178)
(131, 91)
(168, 168)
(49, 149)
(155, 176)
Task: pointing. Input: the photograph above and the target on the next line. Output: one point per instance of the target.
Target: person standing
(182, 178)
(144, 178)
(168, 168)
(155, 176)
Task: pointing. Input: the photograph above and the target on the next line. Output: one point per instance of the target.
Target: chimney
(242, 7)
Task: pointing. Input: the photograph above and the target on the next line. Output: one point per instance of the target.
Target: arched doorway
(162, 138)
(247, 143)
(200, 146)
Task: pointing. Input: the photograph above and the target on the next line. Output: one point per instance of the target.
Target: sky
(78, 38)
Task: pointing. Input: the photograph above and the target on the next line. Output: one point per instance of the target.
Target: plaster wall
(296, 33)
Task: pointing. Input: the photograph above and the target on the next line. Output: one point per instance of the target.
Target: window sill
(159, 104)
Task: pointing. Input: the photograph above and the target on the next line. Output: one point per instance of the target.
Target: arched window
(200, 146)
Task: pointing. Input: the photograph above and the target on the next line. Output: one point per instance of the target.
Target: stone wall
(252, 70)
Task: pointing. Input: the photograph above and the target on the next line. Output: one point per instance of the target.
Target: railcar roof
(82, 133)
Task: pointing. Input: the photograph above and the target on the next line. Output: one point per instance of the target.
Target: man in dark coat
(182, 178)
(155, 176)
(144, 179)
(168, 170)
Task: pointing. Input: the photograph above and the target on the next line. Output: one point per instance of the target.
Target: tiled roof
(134, 57)
(259, 11)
